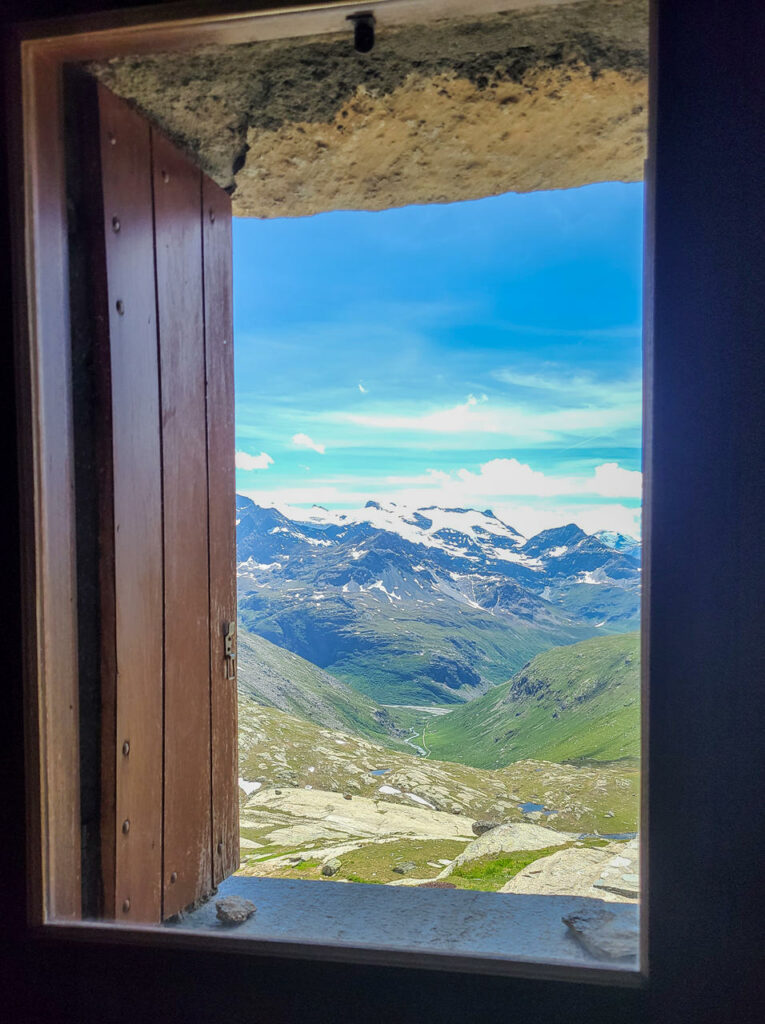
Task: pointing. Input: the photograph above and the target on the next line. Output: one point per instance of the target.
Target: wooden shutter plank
(132, 634)
(47, 495)
(187, 871)
(216, 233)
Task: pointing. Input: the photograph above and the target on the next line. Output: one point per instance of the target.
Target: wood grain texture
(132, 682)
(47, 492)
(219, 350)
(187, 872)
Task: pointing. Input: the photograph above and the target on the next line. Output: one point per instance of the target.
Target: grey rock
(608, 934)
(405, 868)
(624, 885)
(479, 827)
(234, 909)
(330, 867)
(347, 796)
(621, 874)
(509, 838)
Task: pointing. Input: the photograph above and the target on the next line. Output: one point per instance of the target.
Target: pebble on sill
(234, 909)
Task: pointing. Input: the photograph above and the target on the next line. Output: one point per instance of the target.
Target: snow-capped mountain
(424, 604)
(619, 542)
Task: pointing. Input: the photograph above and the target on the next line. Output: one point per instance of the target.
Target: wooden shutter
(159, 238)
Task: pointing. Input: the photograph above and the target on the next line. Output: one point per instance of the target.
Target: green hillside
(275, 678)
(439, 652)
(570, 703)
(296, 762)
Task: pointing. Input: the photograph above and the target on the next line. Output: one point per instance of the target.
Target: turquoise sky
(483, 354)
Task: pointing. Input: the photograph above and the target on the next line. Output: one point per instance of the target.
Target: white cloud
(529, 520)
(611, 481)
(509, 476)
(516, 423)
(304, 441)
(245, 461)
(545, 499)
(572, 387)
(362, 389)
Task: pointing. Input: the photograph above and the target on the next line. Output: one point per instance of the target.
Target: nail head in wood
(112, 139)
(212, 216)
(126, 748)
(116, 224)
(165, 177)
(125, 906)
(120, 307)
(174, 878)
(125, 826)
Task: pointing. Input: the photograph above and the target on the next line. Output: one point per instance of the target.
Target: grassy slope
(276, 678)
(570, 703)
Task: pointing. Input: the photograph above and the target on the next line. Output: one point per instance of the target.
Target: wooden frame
(50, 624)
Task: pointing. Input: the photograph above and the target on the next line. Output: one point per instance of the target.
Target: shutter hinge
(229, 648)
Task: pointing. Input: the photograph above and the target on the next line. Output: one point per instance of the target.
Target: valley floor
(317, 803)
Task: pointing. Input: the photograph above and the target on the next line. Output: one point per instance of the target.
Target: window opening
(454, 602)
(438, 516)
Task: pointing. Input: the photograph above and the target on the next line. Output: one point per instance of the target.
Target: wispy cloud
(246, 461)
(517, 424)
(304, 441)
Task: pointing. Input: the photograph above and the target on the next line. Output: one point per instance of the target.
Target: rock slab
(580, 871)
(552, 97)
(607, 933)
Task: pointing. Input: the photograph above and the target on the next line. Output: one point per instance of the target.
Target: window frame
(46, 459)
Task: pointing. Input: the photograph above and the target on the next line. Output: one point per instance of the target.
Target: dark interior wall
(709, 493)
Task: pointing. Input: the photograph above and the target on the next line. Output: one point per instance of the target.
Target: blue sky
(483, 354)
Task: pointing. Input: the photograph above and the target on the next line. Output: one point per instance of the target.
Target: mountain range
(426, 606)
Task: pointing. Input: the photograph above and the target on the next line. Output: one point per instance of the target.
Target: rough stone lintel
(452, 110)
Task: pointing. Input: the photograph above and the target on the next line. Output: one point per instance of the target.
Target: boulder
(509, 839)
(330, 867)
(405, 868)
(479, 827)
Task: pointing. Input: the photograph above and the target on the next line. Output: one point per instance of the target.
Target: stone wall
(451, 110)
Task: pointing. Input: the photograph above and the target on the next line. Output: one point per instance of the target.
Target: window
(739, 418)
(166, 170)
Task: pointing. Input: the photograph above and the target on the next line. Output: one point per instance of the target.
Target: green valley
(575, 703)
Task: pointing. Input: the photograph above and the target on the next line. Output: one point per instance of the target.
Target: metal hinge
(229, 648)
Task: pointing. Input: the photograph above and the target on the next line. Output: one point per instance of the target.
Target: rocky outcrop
(457, 109)
(581, 871)
(509, 839)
